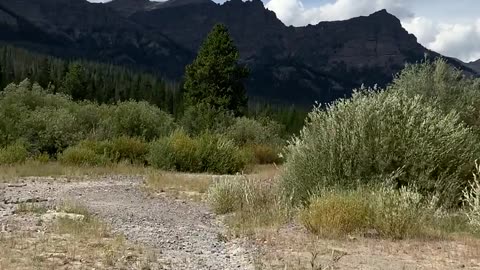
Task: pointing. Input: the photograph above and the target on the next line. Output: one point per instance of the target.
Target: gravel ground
(183, 234)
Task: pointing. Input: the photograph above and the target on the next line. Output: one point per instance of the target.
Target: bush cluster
(87, 133)
(206, 153)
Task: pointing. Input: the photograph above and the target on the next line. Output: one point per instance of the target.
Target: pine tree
(215, 77)
(75, 83)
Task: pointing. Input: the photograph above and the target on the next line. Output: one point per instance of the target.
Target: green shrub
(202, 118)
(444, 85)
(161, 154)
(32, 97)
(50, 130)
(131, 149)
(265, 154)
(91, 116)
(219, 155)
(15, 153)
(337, 213)
(176, 152)
(366, 138)
(137, 119)
(82, 156)
(207, 153)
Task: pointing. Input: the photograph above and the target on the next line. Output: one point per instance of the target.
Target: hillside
(475, 65)
(288, 64)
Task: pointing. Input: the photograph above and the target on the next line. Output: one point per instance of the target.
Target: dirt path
(182, 234)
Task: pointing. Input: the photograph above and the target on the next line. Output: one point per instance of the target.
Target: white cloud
(456, 40)
(293, 12)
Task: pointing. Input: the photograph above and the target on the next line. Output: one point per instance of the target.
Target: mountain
(475, 65)
(79, 29)
(289, 64)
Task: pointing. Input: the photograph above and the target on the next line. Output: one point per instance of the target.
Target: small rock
(50, 215)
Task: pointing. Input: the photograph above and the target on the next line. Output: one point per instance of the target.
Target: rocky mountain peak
(293, 64)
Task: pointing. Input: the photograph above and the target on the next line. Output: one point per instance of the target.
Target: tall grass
(252, 203)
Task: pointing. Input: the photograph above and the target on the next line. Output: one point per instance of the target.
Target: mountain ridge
(319, 62)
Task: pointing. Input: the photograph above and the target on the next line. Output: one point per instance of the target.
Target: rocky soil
(183, 234)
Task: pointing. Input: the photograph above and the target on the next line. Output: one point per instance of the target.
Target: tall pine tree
(215, 77)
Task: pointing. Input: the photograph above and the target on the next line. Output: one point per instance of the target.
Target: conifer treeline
(104, 83)
(107, 83)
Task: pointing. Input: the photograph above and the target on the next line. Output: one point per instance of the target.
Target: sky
(450, 27)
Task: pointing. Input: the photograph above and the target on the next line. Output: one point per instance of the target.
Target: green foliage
(246, 131)
(102, 83)
(75, 83)
(215, 77)
(138, 119)
(220, 155)
(15, 153)
(207, 153)
(448, 88)
(50, 130)
(124, 148)
(265, 154)
(372, 135)
(291, 118)
(82, 156)
(117, 150)
(201, 118)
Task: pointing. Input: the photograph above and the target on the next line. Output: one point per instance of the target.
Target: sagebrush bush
(335, 213)
(366, 138)
(81, 156)
(15, 153)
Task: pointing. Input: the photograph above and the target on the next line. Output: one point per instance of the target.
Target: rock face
(288, 64)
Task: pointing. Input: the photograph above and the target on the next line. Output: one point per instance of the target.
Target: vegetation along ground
(386, 179)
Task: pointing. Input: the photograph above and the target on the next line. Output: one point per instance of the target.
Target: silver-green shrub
(364, 139)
